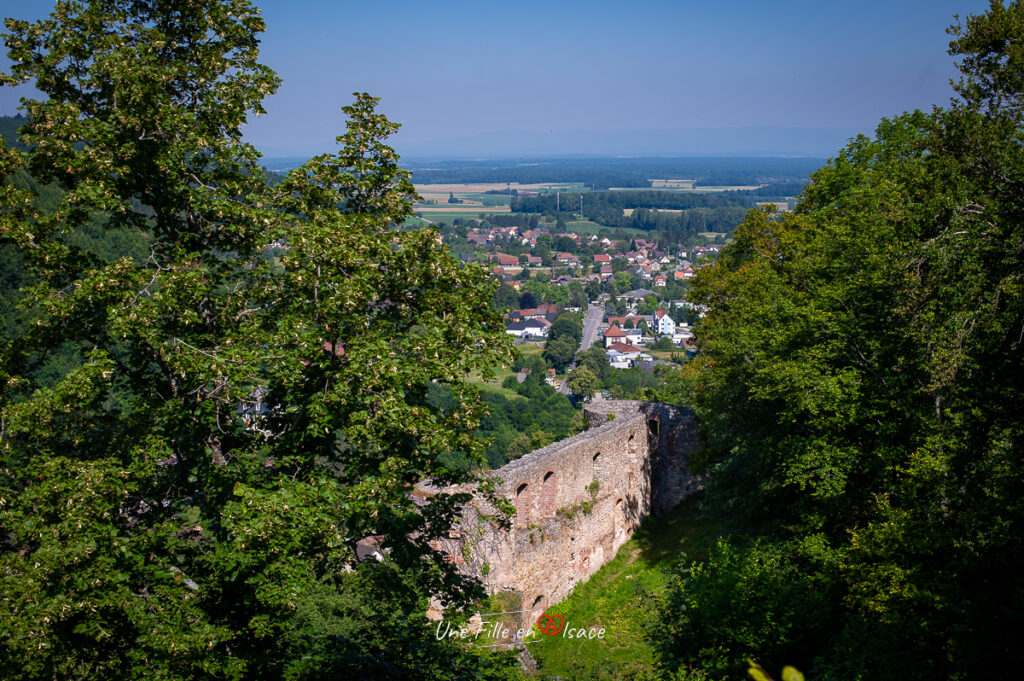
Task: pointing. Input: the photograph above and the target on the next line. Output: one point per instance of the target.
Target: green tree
(583, 383)
(595, 359)
(505, 297)
(525, 443)
(859, 379)
(568, 325)
(663, 343)
(187, 501)
(559, 352)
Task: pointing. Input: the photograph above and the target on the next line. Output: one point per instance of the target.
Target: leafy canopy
(859, 382)
(247, 402)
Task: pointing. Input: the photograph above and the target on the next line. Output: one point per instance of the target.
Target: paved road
(591, 324)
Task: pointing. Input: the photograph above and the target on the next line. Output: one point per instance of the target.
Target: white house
(633, 337)
(663, 324)
(622, 356)
(616, 360)
(529, 328)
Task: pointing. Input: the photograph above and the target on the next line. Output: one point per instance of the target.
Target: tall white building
(663, 324)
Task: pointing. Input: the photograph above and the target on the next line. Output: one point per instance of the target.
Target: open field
(620, 596)
(415, 223)
(459, 208)
(440, 192)
(722, 188)
(501, 373)
(666, 354)
(728, 188)
(629, 211)
(589, 227)
(488, 199)
(450, 216)
(672, 184)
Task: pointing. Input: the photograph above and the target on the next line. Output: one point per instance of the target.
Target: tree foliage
(859, 381)
(563, 340)
(248, 401)
(583, 382)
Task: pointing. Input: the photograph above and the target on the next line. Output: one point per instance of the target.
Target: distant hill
(740, 141)
(9, 130)
(606, 172)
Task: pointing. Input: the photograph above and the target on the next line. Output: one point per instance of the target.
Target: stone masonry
(577, 501)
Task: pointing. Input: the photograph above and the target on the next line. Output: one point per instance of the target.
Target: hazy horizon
(597, 78)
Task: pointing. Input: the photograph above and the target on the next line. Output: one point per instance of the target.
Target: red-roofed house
(630, 351)
(613, 334)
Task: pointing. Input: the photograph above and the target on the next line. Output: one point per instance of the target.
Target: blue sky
(463, 71)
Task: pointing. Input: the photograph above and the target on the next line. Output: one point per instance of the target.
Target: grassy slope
(620, 596)
(501, 373)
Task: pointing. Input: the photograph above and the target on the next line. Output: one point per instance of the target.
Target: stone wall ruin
(577, 501)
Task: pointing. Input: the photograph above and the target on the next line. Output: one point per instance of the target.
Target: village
(636, 286)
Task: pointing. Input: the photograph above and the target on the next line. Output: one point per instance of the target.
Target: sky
(479, 78)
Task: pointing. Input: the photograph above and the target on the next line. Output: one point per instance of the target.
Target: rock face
(577, 501)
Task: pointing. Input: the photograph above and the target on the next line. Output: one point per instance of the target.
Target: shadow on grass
(622, 596)
(684, 529)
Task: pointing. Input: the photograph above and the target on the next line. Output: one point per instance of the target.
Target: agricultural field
(672, 184)
(686, 187)
(449, 216)
(729, 188)
(667, 355)
(629, 211)
(589, 227)
(440, 192)
(463, 210)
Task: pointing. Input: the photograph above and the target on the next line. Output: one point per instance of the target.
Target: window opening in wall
(618, 521)
(549, 495)
(653, 426)
(538, 603)
(524, 502)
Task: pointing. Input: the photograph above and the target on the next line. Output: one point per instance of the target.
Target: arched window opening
(549, 495)
(524, 502)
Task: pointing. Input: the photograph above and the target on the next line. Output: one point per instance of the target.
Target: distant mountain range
(741, 141)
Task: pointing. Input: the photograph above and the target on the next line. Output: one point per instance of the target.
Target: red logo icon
(550, 624)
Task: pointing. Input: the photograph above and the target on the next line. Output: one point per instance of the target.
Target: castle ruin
(577, 501)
